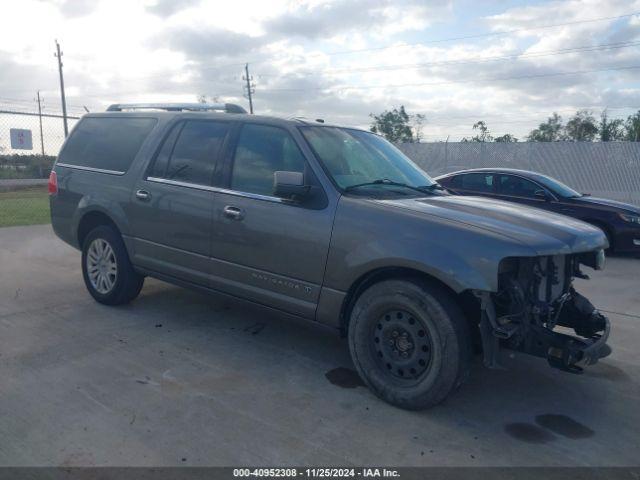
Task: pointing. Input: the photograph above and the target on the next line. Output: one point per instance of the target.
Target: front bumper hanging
(570, 353)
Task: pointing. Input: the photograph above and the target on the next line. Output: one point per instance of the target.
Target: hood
(605, 202)
(544, 232)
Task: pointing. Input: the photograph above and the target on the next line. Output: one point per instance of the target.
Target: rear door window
(106, 143)
(477, 182)
(192, 157)
(518, 186)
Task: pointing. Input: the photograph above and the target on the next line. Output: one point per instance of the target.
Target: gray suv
(333, 225)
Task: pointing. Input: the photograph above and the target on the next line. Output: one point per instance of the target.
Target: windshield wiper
(386, 181)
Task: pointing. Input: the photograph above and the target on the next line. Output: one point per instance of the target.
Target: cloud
(206, 43)
(75, 8)
(167, 8)
(627, 32)
(173, 50)
(17, 77)
(327, 19)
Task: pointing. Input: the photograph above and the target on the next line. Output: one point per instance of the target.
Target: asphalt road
(178, 378)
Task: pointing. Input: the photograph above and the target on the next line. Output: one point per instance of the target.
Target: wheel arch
(387, 273)
(91, 220)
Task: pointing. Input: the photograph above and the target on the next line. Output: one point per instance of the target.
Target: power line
(589, 107)
(481, 35)
(530, 117)
(30, 114)
(434, 41)
(426, 42)
(581, 49)
(492, 79)
(142, 91)
(26, 102)
(28, 106)
(589, 48)
(367, 87)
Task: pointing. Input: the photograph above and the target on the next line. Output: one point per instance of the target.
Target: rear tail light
(53, 183)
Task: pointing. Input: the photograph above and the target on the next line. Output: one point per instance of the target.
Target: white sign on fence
(21, 139)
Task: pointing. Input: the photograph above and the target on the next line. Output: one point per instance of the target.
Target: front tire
(409, 342)
(106, 268)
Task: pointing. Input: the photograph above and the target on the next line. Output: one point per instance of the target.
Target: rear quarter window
(107, 143)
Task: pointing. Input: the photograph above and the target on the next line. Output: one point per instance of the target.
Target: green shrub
(25, 166)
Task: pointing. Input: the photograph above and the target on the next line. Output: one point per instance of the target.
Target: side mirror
(290, 185)
(542, 194)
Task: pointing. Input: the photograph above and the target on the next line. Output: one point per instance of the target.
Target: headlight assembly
(630, 218)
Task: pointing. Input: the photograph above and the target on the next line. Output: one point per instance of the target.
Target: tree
(506, 138)
(398, 126)
(202, 98)
(550, 131)
(581, 127)
(632, 127)
(610, 130)
(418, 125)
(483, 136)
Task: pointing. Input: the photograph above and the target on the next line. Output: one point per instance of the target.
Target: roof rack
(306, 119)
(178, 107)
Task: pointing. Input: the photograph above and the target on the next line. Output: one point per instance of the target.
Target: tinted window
(478, 182)
(159, 168)
(261, 151)
(193, 157)
(451, 181)
(108, 143)
(558, 187)
(517, 186)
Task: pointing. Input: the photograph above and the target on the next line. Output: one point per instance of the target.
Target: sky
(509, 63)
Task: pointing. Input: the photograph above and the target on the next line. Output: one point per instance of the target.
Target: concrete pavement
(179, 378)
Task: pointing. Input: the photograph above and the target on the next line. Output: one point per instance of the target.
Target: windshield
(558, 187)
(358, 158)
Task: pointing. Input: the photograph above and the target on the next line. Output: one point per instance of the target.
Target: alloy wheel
(102, 268)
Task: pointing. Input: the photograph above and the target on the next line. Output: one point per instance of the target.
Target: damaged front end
(534, 302)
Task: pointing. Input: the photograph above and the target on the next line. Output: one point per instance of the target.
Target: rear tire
(409, 342)
(106, 268)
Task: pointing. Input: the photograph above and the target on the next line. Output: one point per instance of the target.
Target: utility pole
(40, 117)
(249, 87)
(58, 55)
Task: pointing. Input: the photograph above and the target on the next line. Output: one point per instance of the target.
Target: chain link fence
(604, 169)
(29, 144)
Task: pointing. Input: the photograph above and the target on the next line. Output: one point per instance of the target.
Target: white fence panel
(604, 169)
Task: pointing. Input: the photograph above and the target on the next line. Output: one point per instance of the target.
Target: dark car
(619, 221)
(330, 224)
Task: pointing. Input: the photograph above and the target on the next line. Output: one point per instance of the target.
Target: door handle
(143, 195)
(232, 212)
